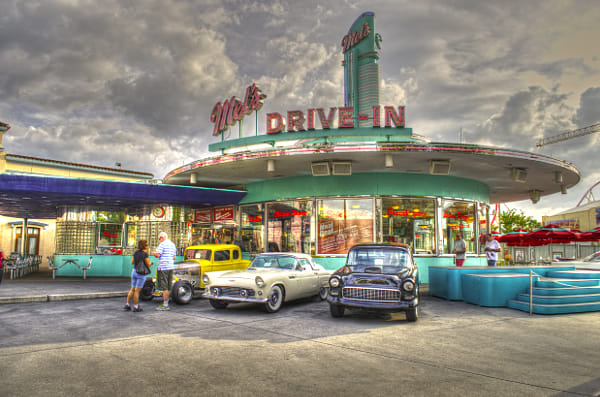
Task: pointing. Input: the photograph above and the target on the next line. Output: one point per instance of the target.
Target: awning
(37, 197)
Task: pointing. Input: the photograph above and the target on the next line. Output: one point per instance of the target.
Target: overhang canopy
(37, 197)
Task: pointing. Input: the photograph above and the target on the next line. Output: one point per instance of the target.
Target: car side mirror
(299, 268)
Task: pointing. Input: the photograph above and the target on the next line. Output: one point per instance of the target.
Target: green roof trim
(384, 134)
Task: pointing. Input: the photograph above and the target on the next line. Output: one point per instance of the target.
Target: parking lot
(92, 347)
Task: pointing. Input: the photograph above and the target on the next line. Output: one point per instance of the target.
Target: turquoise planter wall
(120, 266)
(102, 265)
(366, 184)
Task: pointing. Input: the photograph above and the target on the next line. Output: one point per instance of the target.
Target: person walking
(460, 249)
(492, 247)
(165, 253)
(141, 267)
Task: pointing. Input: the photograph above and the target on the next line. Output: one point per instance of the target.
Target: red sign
(202, 216)
(222, 214)
(283, 214)
(225, 114)
(391, 211)
(353, 38)
(296, 118)
(254, 219)
(458, 215)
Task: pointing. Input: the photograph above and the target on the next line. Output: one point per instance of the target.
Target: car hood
(250, 274)
(358, 279)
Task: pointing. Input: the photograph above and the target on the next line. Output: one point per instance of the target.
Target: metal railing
(547, 279)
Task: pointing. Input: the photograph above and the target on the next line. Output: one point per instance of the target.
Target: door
(309, 279)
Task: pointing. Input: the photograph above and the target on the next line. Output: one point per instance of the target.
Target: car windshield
(197, 253)
(274, 262)
(378, 260)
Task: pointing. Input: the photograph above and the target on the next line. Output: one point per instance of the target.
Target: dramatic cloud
(134, 82)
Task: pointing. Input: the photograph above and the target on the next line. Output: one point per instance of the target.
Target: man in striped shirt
(165, 253)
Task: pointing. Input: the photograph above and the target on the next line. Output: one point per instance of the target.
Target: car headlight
(334, 282)
(259, 281)
(408, 285)
(205, 279)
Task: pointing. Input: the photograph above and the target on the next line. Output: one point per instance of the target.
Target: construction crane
(568, 135)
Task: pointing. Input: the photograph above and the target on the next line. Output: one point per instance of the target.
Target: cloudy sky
(134, 82)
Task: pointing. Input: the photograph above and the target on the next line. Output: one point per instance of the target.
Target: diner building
(318, 181)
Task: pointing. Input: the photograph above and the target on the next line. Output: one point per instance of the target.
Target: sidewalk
(39, 287)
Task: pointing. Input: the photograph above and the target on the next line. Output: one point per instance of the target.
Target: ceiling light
(534, 195)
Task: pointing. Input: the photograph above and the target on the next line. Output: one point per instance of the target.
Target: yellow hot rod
(187, 276)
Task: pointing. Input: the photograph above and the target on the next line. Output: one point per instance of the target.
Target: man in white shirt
(492, 247)
(165, 253)
(460, 249)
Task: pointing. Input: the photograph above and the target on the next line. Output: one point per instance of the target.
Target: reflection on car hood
(251, 273)
(371, 279)
(186, 265)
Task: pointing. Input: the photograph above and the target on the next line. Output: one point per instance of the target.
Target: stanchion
(530, 292)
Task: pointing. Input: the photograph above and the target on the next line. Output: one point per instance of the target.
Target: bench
(67, 261)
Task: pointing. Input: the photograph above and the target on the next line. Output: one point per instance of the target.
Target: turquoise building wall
(102, 265)
(374, 184)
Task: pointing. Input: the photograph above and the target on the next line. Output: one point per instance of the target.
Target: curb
(61, 297)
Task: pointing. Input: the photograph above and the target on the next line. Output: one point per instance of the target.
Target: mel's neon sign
(353, 38)
(226, 114)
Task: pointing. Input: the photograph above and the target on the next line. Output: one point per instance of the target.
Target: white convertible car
(271, 279)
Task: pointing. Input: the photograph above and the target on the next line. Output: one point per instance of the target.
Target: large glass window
(458, 216)
(252, 228)
(343, 223)
(110, 238)
(289, 226)
(411, 222)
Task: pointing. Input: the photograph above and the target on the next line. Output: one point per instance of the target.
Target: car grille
(371, 294)
(235, 291)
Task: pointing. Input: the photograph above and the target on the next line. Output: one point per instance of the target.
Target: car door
(308, 277)
(289, 271)
(221, 260)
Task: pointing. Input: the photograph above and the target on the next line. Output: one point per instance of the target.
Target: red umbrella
(553, 234)
(516, 236)
(591, 235)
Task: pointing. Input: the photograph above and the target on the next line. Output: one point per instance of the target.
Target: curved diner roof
(239, 164)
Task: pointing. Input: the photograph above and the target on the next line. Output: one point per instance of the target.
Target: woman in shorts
(137, 279)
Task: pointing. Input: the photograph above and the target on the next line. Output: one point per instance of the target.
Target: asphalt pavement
(63, 347)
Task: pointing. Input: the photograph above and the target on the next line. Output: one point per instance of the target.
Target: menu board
(336, 236)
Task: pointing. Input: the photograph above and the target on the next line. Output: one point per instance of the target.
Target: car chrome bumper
(375, 305)
(237, 299)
